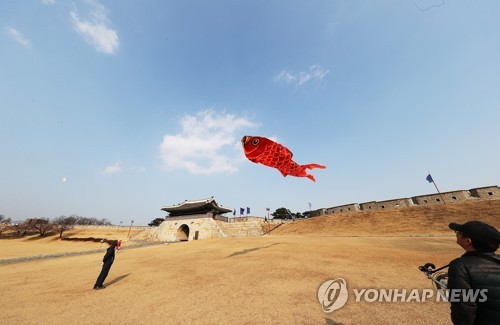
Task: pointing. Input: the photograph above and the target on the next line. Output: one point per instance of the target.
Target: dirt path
(132, 245)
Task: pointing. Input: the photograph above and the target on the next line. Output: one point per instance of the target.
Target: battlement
(480, 193)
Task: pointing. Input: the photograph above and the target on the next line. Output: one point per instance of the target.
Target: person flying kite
(272, 154)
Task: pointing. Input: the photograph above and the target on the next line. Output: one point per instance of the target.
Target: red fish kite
(272, 154)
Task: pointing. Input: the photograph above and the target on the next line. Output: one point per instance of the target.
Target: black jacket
(109, 257)
(475, 270)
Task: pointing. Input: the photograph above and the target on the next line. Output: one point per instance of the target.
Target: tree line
(284, 213)
(45, 226)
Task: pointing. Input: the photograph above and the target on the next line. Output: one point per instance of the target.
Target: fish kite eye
(255, 141)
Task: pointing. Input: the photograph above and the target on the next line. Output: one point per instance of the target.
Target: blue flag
(234, 212)
(242, 211)
(248, 210)
(429, 178)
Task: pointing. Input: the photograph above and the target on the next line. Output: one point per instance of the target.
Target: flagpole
(130, 228)
(440, 195)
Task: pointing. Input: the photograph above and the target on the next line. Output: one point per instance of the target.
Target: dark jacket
(109, 257)
(476, 270)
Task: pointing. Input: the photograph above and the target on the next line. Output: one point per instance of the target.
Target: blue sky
(113, 109)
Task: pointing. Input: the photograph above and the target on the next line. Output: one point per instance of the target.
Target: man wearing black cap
(475, 271)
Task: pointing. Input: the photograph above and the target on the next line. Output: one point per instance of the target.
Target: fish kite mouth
(245, 140)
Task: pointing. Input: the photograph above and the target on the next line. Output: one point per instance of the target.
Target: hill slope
(404, 221)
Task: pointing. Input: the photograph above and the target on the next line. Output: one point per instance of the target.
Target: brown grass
(264, 280)
(406, 221)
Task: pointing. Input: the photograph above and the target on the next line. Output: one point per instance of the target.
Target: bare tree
(87, 221)
(4, 221)
(104, 222)
(21, 229)
(42, 226)
(63, 223)
(4, 224)
(72, 219)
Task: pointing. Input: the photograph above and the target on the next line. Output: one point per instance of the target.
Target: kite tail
(311, 166)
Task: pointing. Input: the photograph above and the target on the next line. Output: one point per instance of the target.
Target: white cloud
(96, 30)
(207, 143)
(17, 36)
(49, 2)
(113, 169)
(315, 72)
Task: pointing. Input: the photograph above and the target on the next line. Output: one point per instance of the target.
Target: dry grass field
(262, 280)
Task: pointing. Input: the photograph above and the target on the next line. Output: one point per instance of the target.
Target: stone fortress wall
(203, 226)
(481, 193)
(193, 227)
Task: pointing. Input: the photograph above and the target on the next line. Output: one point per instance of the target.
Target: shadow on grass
(84, 239)
(15, 236)
(246, 251)
(121, 277)
(39, 237)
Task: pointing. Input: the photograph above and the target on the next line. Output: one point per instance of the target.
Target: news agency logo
(333, 294)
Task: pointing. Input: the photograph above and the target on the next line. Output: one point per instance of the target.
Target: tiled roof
(195, 207)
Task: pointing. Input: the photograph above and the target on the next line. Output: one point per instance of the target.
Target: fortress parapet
(480, 193)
